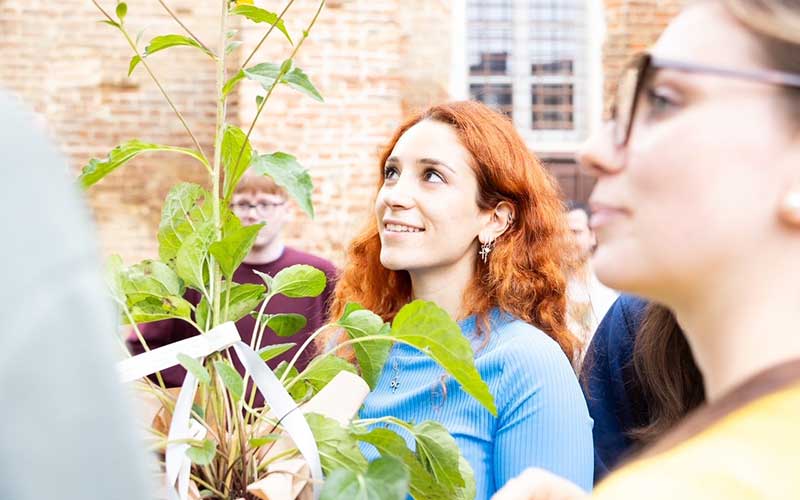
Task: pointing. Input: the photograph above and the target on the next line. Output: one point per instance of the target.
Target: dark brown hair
(666, 375)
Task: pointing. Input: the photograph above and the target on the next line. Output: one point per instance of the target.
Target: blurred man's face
(583, 237)
(253, 208)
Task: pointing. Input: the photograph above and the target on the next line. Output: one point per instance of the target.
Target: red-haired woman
(467, 218)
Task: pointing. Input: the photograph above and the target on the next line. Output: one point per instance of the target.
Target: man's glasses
(261, 207)
(642, 67)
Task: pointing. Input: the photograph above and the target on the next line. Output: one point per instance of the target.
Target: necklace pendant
(394, 384)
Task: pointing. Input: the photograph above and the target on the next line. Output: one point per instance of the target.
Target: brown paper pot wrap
(287, 479)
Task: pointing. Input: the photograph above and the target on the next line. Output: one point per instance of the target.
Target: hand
(538, 484)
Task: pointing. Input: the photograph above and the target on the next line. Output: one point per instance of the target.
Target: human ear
(789, 207)
(500, 219)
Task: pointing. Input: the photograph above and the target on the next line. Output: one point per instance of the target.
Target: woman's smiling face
(426, 209)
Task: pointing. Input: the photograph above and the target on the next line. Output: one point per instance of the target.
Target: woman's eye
(659, 101)
(390, 173)
(433, 176)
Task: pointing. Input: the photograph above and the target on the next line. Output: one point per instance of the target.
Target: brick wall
(374, 61)
(631, 27)
(72, 71)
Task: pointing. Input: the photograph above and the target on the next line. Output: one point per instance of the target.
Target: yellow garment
(752, 453)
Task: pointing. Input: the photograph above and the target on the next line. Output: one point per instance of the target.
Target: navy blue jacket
(613, 396)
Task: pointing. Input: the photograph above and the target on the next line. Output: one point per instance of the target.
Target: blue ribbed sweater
(542, 419)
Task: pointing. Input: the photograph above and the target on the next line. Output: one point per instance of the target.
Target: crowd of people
(645, 346)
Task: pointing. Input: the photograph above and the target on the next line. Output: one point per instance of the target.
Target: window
(537, 61)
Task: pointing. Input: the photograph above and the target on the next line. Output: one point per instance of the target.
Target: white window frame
(588, 95)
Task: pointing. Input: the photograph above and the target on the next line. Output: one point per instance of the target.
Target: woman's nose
(598, 156)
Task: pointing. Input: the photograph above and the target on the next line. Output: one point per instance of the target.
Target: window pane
(496, 96)
(552, 106)
(556, 35)
(489, 37)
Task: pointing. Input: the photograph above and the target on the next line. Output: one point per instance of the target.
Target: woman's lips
(603, 214)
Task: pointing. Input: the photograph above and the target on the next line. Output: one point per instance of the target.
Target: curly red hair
(525, 275)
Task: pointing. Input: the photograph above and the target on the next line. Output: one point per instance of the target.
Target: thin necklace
(395, 382)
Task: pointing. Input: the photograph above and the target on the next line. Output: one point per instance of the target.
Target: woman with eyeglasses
(697, 206)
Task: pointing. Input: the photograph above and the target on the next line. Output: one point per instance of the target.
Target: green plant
(202, 243)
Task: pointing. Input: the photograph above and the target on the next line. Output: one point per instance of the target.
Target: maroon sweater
(165, 332)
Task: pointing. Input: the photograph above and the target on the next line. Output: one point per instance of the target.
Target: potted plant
(227, 448)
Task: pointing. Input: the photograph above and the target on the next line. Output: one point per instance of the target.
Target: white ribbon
(281, 404)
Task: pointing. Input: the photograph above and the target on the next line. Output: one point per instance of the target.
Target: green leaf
(439, 453)
(390, 444)
(262, 440)
(96, 169)
(258, 15)
(287, 324)
(231, 83)
(202, 455)
(150, 278)
(195, 368)
(469, 490)
(122, 10)
(139, 35)
(163, 42)
(299, 81)
(371, 355)
(350, 307)
(297, 391)
(275, 350)
(231, 46)
(299, 281)
(285, 170)
(231, 250)
(266, 278)
(201, 314)
(113, 277)
(110, 23)
(386, 479)
(266, 74)
(190, 262)
(322, 370)
(198, 410)
(135, 60)
(236, 155)
(430, 329)
(149, 309)
(181, 213)
(244, 298)
(231, 378)
(338, 449)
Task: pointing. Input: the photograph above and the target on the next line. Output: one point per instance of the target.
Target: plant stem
(207, 486)
(272, 27)
(303, 348)
(153, 76)
(228, 297)
(143, 342)
(216, 275)
(284, 69)
(358, 340)
(288, 453)
(173, 16)
(253, 344)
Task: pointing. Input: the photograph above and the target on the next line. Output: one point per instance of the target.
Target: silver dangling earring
(486, 249)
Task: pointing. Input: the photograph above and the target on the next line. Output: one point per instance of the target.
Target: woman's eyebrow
(435, 163)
